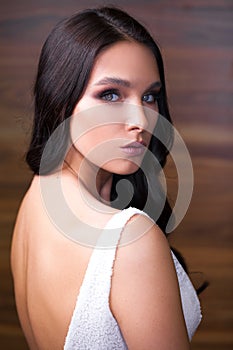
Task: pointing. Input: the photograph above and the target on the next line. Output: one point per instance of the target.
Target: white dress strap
(92, 325)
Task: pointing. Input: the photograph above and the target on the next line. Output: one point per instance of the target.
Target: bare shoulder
(19, 241)
(20, 234)
(145, 295)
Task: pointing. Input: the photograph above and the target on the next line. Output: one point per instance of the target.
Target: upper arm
(145, 296)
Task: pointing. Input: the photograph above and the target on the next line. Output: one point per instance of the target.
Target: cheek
(92, 139)
(100, 145)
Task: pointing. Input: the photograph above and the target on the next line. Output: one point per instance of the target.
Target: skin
(48, 268)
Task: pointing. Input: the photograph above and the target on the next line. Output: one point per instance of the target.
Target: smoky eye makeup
(113, 94)
(151, 96)
(109, 95)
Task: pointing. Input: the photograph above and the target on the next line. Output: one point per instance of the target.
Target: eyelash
(106, 93)
(156, 96)
(103, 95)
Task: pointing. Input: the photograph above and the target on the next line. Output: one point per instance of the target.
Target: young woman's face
(113, 121)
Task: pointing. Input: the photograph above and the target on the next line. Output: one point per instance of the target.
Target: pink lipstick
(134, 149)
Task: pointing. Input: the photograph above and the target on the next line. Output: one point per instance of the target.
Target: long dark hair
(65, 64)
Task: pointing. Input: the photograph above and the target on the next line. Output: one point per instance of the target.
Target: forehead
(128, 60)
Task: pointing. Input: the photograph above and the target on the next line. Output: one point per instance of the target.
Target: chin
(121, 168)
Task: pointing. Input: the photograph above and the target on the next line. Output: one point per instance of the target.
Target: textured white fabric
(93, 325)
(189, 299)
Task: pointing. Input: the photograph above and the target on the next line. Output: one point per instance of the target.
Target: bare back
(48, 270)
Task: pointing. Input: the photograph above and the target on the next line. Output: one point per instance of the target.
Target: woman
(99, 88)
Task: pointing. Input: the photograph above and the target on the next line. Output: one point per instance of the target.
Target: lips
(134, 149)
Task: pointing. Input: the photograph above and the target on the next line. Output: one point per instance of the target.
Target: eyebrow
(113, 80)
(156, 85)
(125, 83)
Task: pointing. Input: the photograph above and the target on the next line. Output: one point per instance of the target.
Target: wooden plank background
(196, 41)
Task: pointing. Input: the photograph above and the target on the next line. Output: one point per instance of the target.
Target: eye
(150, 98)
(110, 96)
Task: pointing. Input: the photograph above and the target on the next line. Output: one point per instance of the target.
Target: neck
(96, 181)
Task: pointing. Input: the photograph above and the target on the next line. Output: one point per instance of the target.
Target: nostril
(135, 127)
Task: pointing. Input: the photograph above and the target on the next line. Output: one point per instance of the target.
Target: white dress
(93, 326)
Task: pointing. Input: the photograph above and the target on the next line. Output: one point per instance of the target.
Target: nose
(136, 118)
